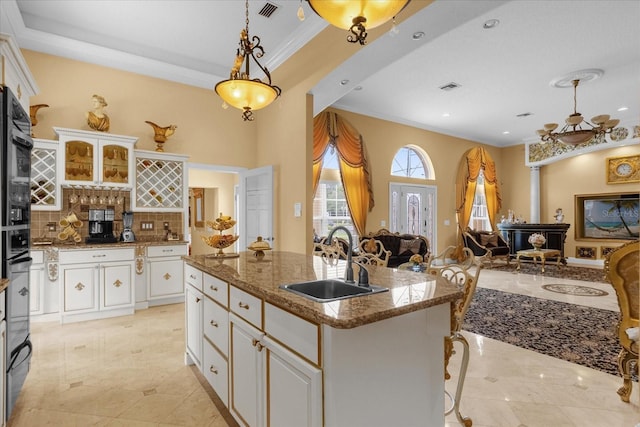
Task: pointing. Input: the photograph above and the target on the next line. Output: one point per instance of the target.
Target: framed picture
(623, 169)
(612, 216)
(198, 207)
(606, 250)
(586, 252)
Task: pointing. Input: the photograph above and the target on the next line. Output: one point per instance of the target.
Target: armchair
(621, 270)
(486, 245)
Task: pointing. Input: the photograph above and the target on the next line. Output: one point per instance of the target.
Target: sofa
(401, 246)
(486, 245)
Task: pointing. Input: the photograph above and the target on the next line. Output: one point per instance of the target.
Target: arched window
(412, 162)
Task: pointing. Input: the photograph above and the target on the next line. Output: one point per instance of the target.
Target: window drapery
(472, 162)
(329, 129)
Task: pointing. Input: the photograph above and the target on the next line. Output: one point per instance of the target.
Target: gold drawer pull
(197, 299)
(213, 288)
(214, 323)
(213, 370)
(79, 286)
(192, 276)
(117, 283)
(243, 305)
(167, 276)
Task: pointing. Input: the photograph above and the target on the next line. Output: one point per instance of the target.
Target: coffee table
(541, 254)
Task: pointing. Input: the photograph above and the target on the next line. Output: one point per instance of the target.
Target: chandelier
(240, 90)
(357, 16)
(572, 133)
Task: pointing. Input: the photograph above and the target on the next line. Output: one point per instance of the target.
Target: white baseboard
(585, 262)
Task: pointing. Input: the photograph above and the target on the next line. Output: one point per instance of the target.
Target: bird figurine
(161, 134)
(33, 111)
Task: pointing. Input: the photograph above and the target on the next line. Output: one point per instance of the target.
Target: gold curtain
(472, 162)
(329, 129)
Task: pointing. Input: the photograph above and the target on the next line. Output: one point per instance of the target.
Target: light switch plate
(297, 209)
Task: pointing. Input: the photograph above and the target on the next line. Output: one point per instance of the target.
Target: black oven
(15, 210)
(16, 162)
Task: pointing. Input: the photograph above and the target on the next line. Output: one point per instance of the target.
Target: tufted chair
(622, 270)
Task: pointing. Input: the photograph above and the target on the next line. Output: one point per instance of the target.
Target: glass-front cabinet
(45, 185)
(161, 184)
(95, 158)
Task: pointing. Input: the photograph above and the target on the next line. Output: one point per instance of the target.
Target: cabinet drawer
(216, 371)
(95, 256)
(193, 276)
(301, 336)
(216, 289)
(37, 256)
(246, 306)
(216, 325)
(166, 250)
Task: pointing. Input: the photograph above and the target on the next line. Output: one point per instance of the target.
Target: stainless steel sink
(331, 290)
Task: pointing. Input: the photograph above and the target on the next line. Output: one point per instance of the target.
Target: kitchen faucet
(349, 278)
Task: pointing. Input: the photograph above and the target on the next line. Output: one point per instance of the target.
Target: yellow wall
(560, 182)
(383, 139)
(281, 136)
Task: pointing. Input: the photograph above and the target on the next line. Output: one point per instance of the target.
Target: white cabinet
(161, 183)
(36, 283)
(96, 283)
(165, 281)
(194, 307)
(14, 72)
(3, 367)
(95, 158)
(247, 370)
(45, 184)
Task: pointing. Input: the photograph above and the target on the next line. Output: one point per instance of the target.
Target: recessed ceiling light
(344, 82)
(491, 23)
(446, 115)
(357, 88)
(417, 35)
(623, 108)
(506, 132)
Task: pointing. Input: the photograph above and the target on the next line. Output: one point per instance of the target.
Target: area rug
(576, 290)
(552, 270)
(578, 334)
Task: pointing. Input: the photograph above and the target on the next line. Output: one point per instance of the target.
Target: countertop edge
(314, 313)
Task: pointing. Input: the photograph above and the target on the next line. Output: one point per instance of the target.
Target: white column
(535, 195)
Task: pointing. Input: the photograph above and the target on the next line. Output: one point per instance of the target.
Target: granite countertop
(60, 244)
(408, 291)
(4, 283)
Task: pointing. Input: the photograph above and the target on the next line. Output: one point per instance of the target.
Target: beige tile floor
(129, 371)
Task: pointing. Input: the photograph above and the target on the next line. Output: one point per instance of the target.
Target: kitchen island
(278, 359)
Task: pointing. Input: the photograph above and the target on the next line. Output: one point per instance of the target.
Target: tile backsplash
(119, 201)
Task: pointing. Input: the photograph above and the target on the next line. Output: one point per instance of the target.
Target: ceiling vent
(524, 115)
(268, 9)
(450, 86)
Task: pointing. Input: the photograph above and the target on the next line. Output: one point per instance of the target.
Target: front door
(412, 210)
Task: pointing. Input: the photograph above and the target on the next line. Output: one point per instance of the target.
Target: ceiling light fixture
(572, 133)
(240, 91)
(357, 16)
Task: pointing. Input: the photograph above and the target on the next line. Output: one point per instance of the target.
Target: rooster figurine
(161, 134)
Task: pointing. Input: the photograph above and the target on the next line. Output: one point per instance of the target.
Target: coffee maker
(127, 222)
(101, 226)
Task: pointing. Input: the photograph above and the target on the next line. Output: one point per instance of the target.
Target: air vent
(450, 86)
(524, 115)
(268, 9)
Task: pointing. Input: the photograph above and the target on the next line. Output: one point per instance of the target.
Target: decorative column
(535, 195)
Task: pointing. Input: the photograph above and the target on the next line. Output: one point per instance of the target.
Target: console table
(518, 236)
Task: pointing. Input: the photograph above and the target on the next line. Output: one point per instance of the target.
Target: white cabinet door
(194, 307)
(215, 370)
(294, 389)
(247, 366)
(216, 325)
(36, 291)
(80, 288)
(3, 369)
(117, 286)
(165, 278)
